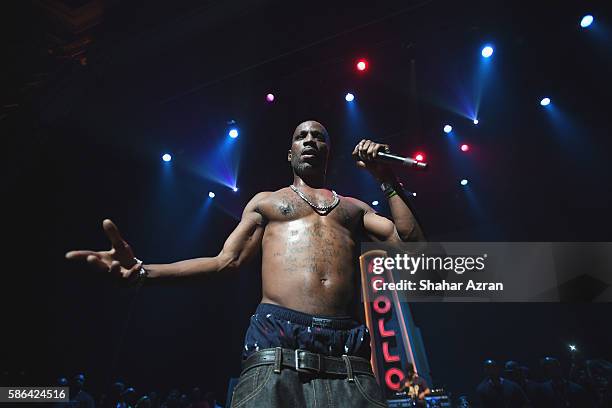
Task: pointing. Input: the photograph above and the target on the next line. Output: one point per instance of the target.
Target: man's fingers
(112, 232)
(97, 262)
(79, 254)
(115, 268)
(371, 149)
(379, 148)
(364, 149)
(360, 163)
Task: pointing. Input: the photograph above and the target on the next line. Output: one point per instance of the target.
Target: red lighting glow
(419, 157)
(465, 148)
(362, 65)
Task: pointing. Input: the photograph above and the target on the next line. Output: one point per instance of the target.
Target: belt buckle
(306, 370)
(320, 322)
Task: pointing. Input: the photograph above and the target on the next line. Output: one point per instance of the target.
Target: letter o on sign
(394, 385)
(377, 304)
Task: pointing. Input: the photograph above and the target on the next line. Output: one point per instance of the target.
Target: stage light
(586, 21)
(349, 97)
(270, 97)
(374, 203)
(233, 133)
(419, 156)
(211, 194)
(235, 189)
(465, 147)
(487, 51)
(475, 121)
(362, 65)
(464, 182)
(573, 347)
(545, 101)
(414, 194)
(166, 157)
(448, 128)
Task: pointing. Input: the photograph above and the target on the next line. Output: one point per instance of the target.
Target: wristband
(390, 189)
(142, 272)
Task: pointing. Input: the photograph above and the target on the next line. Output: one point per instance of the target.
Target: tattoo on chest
(286, 208)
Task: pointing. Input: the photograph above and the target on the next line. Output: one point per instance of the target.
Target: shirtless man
(305, 345)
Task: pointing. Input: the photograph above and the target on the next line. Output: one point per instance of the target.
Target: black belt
(305, 361)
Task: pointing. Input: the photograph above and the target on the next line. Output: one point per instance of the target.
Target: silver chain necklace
(323, 209)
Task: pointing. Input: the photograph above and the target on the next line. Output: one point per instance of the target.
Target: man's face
(309, 149)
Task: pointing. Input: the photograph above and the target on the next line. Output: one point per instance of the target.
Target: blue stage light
(235, 189)
(211, 194)
(475, 121)
(448, 128)
(166, 157)
(414, 194)
(487, 51)
(233, 133)
(545, 101)
(586, 21)
(464, 182)
(374, 203)
(349, 97)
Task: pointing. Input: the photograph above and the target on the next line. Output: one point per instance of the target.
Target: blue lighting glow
(545, 101)
(464, 182)
(211, 194)
(487, 51)
(233, 133)
(448, 128)
(586, 21)
(166, 157)
(349, 97)
(375, 203)
(475, 121)
(235, 189)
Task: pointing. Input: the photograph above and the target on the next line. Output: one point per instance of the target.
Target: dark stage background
(88, 112)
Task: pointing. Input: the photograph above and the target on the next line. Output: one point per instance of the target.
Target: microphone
(395, 159)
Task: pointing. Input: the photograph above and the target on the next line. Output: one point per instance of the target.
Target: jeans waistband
(305, 319)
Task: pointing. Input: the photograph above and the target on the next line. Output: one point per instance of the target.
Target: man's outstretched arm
(240, 246)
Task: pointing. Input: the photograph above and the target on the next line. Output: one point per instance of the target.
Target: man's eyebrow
(315, 132)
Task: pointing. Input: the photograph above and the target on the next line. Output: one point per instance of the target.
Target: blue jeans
(274, 326)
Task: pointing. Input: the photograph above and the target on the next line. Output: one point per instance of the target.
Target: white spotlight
(586, 21)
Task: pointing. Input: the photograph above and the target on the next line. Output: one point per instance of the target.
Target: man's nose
(309, 139)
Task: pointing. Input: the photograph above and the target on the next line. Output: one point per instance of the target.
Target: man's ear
(289, 156)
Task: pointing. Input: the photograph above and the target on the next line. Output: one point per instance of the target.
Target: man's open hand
(119, 260)
(365, 152)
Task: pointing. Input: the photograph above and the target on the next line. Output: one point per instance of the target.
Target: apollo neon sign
(391, 348)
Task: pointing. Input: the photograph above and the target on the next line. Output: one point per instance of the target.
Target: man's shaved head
(311, 124)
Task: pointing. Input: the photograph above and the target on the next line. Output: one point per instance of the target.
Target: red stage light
(362, 65)
(419, 157)
(465, 148)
